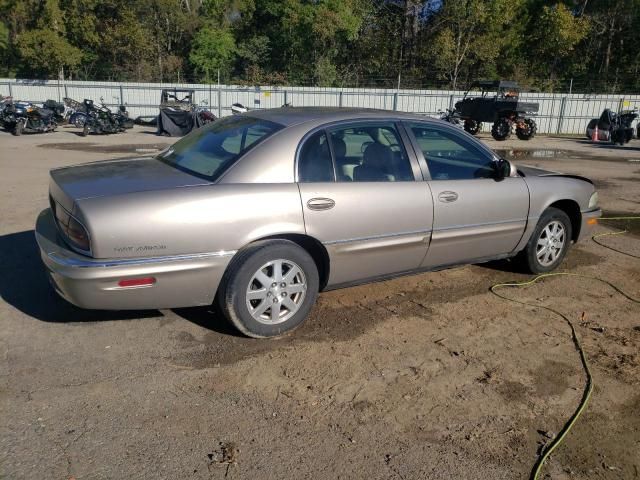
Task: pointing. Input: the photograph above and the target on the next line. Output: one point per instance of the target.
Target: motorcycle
(204, 114)
(60, 112)
(614, 127)
(19, 117)
(101, 120)
(77, 112)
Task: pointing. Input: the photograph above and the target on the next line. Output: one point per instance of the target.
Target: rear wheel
(269, 288)
(472, 126)
(501, 129)
(527, 129)
(549, 242)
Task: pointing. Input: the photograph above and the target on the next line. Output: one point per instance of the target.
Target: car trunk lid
(116, 177)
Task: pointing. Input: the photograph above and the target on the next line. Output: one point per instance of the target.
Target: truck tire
(501, 129)
(528, 131)
(472, 126)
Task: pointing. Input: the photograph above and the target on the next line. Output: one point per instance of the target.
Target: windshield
(210, 150)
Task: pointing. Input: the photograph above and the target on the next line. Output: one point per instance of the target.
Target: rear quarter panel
(199, 219)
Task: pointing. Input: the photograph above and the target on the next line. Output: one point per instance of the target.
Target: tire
(501, 129)
(253, 314)
(472, 126)
(85, 130)
(17, 131)
(529, 130)
(533, 258)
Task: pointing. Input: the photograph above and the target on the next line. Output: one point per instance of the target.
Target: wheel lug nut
(283, 284)
(274, 284)
(284, 294)
(275, 300)
(268, 294)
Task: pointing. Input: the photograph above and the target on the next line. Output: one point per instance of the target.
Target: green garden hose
(586, 395)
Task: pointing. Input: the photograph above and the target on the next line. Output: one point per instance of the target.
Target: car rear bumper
(180, 280)
(589, 221)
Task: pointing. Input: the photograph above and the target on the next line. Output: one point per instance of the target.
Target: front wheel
(549, 242)
(269, 288)
(472, 126)
(17, 131)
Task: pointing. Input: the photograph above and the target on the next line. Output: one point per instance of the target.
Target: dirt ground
(424, 377)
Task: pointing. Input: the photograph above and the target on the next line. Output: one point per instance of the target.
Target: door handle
(321, 204)
(448, 197)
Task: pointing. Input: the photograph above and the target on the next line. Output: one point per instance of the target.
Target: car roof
(289, 116)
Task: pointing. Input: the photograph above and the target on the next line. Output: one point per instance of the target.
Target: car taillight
(70, 228)
(78, 235)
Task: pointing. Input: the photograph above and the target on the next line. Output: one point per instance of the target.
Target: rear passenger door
(476, 216)
(363, 198)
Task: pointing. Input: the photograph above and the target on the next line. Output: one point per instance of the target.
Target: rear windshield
(210, 150)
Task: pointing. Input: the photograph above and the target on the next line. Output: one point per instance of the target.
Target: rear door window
(314, 162)
(370, 153)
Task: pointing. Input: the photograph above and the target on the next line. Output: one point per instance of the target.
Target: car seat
(376, 159)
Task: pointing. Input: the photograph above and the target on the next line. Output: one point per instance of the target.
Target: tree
(213, 48)
(44, 52)
(555, 36)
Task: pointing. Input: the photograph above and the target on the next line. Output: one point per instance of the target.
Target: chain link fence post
(395, 101)
(561, 116)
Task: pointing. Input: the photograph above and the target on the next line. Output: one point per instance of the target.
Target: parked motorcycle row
(19, 117)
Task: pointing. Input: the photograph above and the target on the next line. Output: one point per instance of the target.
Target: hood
(118, 177)
(527, 171)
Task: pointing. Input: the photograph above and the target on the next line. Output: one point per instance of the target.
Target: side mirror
(502, 168)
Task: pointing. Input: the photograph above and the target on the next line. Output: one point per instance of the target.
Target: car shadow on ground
(208, 317)
(25, 286)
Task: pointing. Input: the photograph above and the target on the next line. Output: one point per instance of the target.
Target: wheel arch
(572, 209)
(311, 245)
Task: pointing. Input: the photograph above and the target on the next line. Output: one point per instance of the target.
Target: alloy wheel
(276, 291)
(550, 243)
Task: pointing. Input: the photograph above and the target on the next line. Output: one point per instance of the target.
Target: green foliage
(213, 49)
(45, 52)
(419, 43)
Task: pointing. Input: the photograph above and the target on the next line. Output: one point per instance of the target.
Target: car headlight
(593, 201)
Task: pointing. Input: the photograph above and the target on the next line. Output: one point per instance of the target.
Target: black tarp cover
(177, 123)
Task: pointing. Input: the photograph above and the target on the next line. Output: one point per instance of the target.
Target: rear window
(209, 151)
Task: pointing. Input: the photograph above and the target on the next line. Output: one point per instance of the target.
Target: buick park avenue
(259, 212)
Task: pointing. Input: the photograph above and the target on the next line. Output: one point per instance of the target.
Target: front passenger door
(476, 216)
